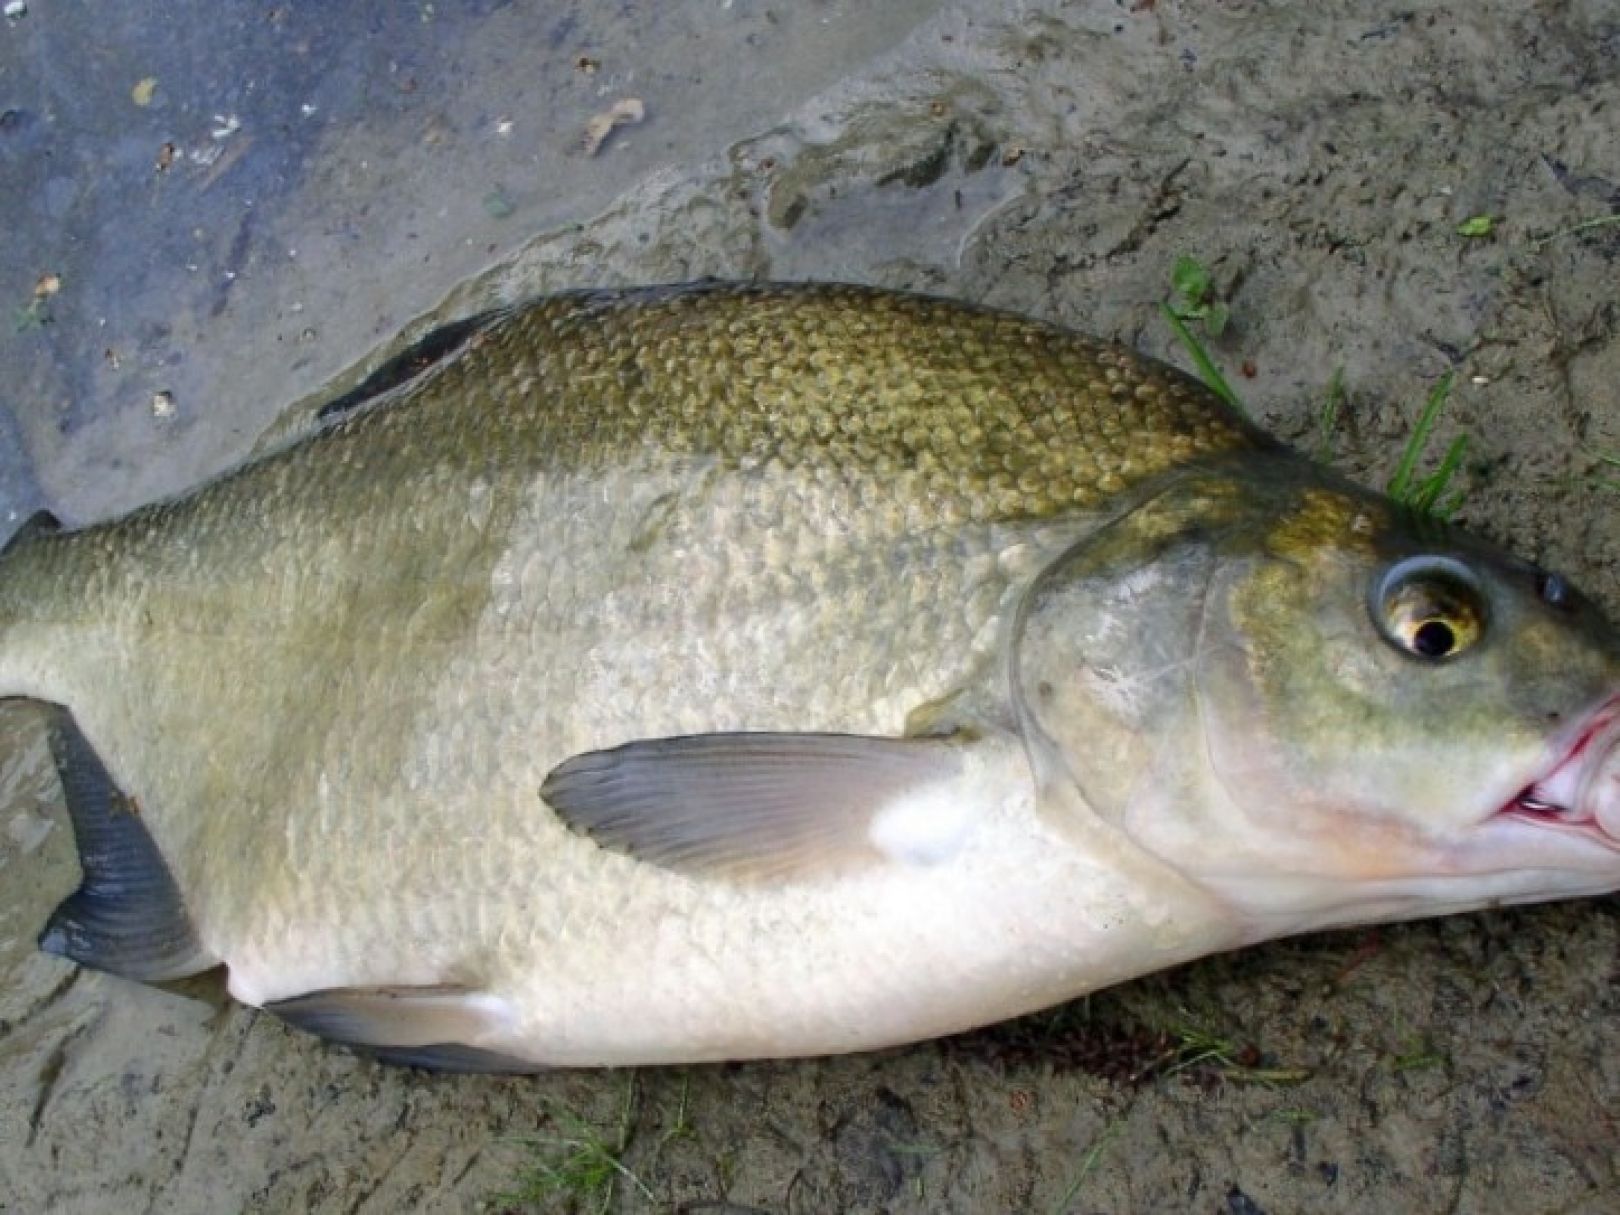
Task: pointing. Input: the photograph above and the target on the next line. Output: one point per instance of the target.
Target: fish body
(726, 672)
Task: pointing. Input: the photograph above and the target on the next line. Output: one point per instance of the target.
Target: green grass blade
(1331, 405)
(1088, 1162)
(1400, 484)
(1207, 370)
(1602, 221)
(1430, 491)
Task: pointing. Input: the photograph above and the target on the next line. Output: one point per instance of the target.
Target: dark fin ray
(745, 805)
(127, 916)
(451, 1057)
(418, 358)
(427, 1027)
(40, 523)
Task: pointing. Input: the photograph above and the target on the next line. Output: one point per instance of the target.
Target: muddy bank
(1319, 157)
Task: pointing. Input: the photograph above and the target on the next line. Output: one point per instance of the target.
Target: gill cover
(1105, 654)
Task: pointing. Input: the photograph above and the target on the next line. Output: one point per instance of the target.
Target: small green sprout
(1195, 298)
(1207, 370)
(1088, 1164)
(1418, 1056)
(580, 1161)
(1199, 1048)
(1586, 225)
(1606, 483)
(681, 1125)
(1332, 405)
(1477, 226)
(1429, 495)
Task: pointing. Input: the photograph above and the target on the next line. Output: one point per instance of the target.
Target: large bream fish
(721, 672)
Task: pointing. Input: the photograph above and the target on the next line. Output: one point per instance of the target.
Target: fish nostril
(1553, 589)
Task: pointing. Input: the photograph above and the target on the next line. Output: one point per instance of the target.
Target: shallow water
(338, 177)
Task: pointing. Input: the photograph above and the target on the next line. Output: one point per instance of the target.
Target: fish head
(1322, 707)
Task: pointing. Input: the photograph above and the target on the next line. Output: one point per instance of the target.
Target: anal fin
(430, 1027)
(127, 916)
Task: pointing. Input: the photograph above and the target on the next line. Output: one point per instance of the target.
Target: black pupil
(1434, 639)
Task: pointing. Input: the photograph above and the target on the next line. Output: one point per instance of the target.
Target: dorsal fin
(40, 523)
(314, 412)
(419, 357)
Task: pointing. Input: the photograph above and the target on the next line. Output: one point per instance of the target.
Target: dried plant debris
(37, 311)
(1068, 1041)
(624, 112)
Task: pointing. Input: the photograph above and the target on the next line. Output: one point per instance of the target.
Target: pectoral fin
(431, 1027)
(767, 805)
(127, 916)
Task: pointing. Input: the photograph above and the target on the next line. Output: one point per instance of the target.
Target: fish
(722, 671)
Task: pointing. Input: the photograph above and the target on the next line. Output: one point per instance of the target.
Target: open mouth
(1581, 791)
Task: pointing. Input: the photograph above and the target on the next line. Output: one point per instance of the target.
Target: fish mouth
(1578, 794)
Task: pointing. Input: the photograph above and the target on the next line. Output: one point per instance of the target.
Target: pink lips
(1583, 791)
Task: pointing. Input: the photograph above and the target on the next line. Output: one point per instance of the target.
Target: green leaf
(1191, 280)
(1476, 225)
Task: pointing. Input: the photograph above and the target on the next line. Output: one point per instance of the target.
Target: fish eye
(1429, 607)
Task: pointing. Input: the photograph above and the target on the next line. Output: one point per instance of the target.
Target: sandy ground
(332, 179)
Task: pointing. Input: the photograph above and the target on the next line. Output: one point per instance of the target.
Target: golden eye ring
(1429, 607)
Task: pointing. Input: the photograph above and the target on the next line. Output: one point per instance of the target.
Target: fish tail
(127, 916)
